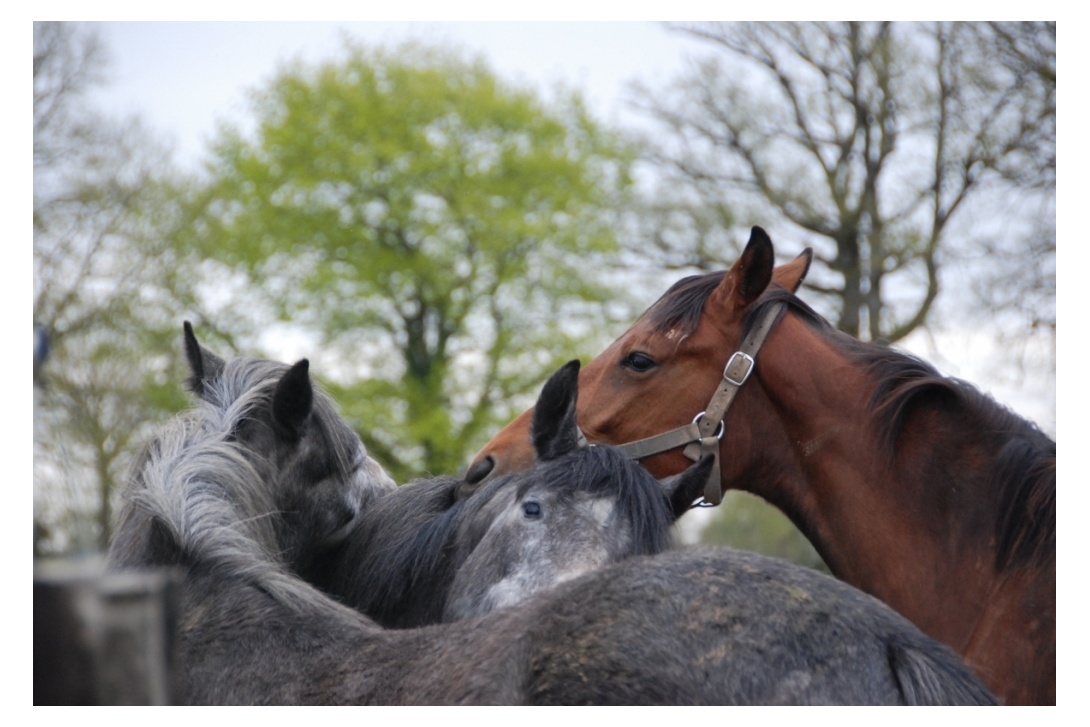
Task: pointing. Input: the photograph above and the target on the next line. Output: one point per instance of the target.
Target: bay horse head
(632, 387)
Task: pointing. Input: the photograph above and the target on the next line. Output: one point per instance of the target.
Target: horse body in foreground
(913, 487)
(243, 492)
(689, 627)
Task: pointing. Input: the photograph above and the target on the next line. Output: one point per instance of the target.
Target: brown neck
(877, 525)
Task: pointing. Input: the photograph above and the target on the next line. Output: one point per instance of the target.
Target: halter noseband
(702, 435)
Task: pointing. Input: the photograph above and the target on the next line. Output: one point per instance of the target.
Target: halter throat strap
(702, 435)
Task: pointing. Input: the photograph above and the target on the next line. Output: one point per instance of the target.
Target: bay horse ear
(750, 274)
(204, 366)
(793, 273)
(292, 400)
(683, 489)
(553, 429)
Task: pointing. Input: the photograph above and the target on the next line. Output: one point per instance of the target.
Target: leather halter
(702, 435)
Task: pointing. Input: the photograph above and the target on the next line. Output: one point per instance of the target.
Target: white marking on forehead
(601, 509)
(674, 333)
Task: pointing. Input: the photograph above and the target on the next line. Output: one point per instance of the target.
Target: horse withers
(912, 486)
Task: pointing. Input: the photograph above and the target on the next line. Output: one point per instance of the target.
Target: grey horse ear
(683, 489)
(553, 429)
(293, 400)
(204, 366)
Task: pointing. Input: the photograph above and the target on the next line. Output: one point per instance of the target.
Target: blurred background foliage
(442, 240)
(747, 522)
(438, 229)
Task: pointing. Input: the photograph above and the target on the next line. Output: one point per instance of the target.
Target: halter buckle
(738, 368)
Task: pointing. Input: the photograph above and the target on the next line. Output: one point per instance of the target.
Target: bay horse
(264, 475)
(914, 487)
(422, 555)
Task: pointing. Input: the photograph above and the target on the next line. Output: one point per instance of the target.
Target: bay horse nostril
(479, 470)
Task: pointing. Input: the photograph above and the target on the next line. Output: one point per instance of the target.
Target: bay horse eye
(531, 510)
(638, 361)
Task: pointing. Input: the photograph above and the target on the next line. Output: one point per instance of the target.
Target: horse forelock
(682, 305)
(248, 385)
(602, 471)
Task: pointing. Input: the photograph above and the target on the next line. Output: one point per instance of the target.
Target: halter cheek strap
(702, 435)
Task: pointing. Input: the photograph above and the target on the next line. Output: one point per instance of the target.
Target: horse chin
(351, 514)
(370, 484)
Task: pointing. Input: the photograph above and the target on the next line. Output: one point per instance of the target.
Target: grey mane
(207, 495)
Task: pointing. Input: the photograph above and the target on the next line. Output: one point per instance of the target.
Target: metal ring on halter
(718, 430)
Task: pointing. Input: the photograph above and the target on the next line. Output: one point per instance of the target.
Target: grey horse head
(264, 443)
(579, 508)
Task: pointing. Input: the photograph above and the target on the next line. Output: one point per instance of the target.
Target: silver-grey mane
(211, 495)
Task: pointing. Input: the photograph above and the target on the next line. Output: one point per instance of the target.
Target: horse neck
(924, 535)
(138, 541)
(396, 564)
(269, 638)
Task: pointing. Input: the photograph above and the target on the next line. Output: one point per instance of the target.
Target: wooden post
(105, 638)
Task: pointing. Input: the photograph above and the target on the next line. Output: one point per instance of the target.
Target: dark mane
(197, 495)
(683, 303)
(605, 472)
(1024, 469)
(401, 545)
(410, 543)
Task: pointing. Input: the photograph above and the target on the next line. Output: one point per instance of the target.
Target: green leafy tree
(101, 276)
(445, 232)
(747, 522)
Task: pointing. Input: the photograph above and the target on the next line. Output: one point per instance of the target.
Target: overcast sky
(182, 77)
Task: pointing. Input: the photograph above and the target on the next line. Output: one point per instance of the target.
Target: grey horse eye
(531, 510)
